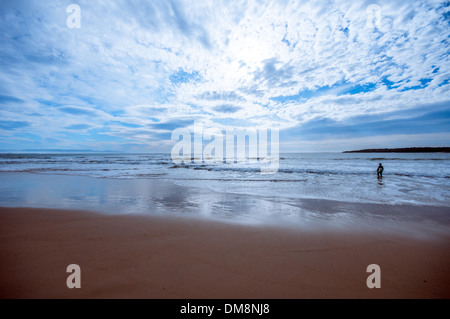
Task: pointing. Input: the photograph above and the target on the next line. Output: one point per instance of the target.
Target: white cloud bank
(137, 69)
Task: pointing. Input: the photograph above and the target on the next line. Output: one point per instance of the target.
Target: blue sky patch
(12, 125)
(182, 76)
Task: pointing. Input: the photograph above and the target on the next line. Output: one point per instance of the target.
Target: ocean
(408, 178)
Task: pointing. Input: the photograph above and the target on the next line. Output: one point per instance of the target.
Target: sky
(329, 75)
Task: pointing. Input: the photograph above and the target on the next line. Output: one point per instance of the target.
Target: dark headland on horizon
(404, 150)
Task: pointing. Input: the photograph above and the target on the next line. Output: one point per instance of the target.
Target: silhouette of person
(380, 170)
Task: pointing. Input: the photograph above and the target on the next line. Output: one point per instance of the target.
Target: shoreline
(135, 256)
(164, 198)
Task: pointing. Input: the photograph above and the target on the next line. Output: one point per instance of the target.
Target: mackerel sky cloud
(331, 75)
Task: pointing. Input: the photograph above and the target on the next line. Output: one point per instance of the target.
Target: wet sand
(132, 256)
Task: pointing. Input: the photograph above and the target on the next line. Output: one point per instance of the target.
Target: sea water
(408, 178)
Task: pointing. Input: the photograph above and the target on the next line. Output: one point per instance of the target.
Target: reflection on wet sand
(162, 198)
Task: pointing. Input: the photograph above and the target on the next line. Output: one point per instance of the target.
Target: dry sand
(154, 257)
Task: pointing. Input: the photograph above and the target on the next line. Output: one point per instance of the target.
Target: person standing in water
(380, 170)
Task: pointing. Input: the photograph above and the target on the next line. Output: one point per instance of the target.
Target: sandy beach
(165, 257)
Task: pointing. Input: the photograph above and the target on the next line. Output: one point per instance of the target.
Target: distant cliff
(404, 150)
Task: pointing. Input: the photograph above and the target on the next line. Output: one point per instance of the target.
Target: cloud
(137, 69)
(274, 74)
(222, 96)
(426, 119)
(226, 108)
